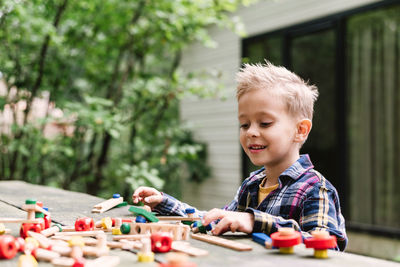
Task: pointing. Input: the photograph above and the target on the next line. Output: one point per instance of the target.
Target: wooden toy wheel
(8, 247)
(161, 242)
(84, 224)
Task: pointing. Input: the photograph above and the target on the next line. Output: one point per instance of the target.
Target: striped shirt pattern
(304, 200)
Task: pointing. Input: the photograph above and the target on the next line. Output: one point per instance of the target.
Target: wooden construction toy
(43, 241)
(198, 227)
(177, 259)
(145, 254)
(285, 239)
(31, 208)
(27, 260)
(178, 218)
(321, 241)
(120, 220)
(108, 204)
(178, 232)
(131, 237)
(25, 227)
(17, 220)
(109, 261)
(76, 243)
(8, 247)
(185, 247)
(84, 224)
(143, 212)
(140, 219)
(222, 242)
(52, 230)
(161, 242)
(117, 222)
(262, 239)
(45, 254)
(105, 223)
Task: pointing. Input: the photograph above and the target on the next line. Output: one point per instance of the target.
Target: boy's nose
(253, 132)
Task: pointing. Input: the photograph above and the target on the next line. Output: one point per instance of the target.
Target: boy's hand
(229, 221)
(148, 195)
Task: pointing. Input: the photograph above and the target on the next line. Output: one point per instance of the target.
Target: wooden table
(66, 207)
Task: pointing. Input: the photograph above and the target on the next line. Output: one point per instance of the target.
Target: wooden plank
(185, 247)
(222, 242)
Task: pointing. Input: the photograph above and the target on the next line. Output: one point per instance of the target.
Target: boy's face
(267, 130)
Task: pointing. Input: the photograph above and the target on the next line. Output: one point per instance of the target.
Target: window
(354, 59)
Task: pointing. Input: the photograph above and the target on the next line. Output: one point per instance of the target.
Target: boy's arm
(320, 210)
(171, 206)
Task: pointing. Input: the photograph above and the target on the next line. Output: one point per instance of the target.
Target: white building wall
(215, 121)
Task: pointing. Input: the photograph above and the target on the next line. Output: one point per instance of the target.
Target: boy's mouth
(256, 147)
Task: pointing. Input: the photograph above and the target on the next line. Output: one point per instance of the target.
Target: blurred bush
(90, 91)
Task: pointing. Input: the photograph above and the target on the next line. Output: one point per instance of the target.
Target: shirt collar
(297, 169)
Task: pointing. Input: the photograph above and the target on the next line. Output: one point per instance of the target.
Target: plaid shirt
(304, 200)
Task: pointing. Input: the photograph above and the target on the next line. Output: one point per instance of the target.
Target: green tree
(112, 67)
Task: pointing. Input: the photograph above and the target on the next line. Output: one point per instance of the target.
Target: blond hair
(298, 95)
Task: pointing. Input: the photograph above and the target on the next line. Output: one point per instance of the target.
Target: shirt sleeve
(320, 211)
(171, 206)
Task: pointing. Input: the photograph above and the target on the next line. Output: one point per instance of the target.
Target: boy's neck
(274, 171)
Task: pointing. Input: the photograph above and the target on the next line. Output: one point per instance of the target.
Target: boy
(275, 112)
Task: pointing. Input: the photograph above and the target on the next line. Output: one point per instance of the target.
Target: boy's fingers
(221, 227)
(153, 199)
(212, 215)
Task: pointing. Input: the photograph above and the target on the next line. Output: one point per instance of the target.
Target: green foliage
(112, 67)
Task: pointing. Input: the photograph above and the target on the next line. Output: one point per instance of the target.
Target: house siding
(215, 121)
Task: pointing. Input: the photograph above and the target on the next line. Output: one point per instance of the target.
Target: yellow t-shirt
(263, 192)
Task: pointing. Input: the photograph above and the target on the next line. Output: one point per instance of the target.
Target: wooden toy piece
(45, 254)
(125, 228)
(140, 219)
(31, 207)
(105, 223)
(198, 227)
(20, 243)
(42, 240)
(134, 244)
(63, 262)
(8, 247)
(222, 242)
(117, 222)
(124, 244)
(145, 254)
(109, 261)
(47, 219)
(185, 247)
(51, 230)
(122, 220)
(161, 242)
(190, 212)
(177, 259)
(262, 239)
(108, 204)
(17, 220)
(131, 237)
(285, 239)
(321, 241)
(179, 232)
(62, 250)
(79, 262)
(143, 212)
(84, 224)
(27, 260)
(82, 233)
(76, 243)
(25, 227)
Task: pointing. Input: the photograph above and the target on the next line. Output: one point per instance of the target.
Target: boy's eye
(265, 124)
(244, 125)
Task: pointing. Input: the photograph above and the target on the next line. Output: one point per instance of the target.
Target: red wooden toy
(25, 227)
(8, 247)
(84, 224)
(321, 242)
(285, 239)
(161, 242)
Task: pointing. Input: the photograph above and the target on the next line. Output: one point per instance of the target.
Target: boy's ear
(303, 129)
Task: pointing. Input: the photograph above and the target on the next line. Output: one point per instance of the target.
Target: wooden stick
(130, 237)
(16, 220)
(185, 247)
(177, 218)
(106, 205)
(79, 233)
(51, 231)
(45, 255)
(179, 232)
(221, 242)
